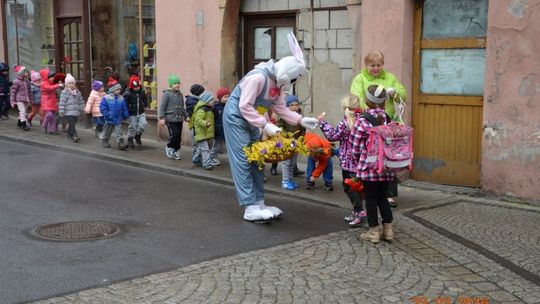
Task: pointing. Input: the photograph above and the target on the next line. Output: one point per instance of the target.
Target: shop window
(123, 42)
(29, 27)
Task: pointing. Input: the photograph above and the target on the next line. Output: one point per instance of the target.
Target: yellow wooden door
(448, 73)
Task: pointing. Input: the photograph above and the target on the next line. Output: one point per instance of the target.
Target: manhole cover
(76, 231)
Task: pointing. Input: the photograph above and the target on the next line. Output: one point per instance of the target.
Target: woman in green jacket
(374, 73)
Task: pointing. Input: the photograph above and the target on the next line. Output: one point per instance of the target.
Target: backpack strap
(372, 120)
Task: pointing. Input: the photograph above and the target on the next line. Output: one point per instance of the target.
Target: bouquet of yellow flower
(275, 149)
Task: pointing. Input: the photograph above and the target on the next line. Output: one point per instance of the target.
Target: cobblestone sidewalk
(420, 264)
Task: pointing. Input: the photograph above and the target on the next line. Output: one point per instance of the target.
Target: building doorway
(71, 51)
(265, 38)
(448, 88)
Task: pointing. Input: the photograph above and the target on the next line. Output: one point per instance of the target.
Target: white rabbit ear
(296, 50)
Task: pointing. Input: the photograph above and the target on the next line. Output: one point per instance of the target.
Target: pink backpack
(389, 147)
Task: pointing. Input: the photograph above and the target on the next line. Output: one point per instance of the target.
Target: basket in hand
(274, 149)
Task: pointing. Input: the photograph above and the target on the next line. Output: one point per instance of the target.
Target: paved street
(449, 248)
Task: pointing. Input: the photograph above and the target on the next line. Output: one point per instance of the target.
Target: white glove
(390, 91)
(309, 122)
(271, 129)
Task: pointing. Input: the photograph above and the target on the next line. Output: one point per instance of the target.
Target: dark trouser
(392, 189)
(71, 122)
(4, 105)
(175, 135)
(376, 199)
(354, 196)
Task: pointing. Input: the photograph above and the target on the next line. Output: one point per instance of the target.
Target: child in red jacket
(319, 161)
(49, 101)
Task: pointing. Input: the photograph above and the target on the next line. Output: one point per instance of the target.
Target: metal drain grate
(76, 231)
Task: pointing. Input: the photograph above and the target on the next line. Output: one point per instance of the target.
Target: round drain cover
(76, 231)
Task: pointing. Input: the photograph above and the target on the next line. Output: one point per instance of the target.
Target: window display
(117, 32)
(29, 27)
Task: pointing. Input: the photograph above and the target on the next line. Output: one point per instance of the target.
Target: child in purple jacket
(341, 133)
(20, 95)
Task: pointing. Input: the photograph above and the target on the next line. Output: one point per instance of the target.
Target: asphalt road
(166, 222)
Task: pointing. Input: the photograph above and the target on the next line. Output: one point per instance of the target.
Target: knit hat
(290, 99)
(206, 97)
(70, 79)
(196, 89)
(222, 92)
(134, 81)
(20, 70)
(173, 79)
(97, 85)
(59, 77)
(115, 87)
(34, 76)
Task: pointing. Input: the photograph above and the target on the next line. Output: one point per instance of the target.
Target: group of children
(203, 112)
(55, 97)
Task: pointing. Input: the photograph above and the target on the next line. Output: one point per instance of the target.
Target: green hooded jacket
(363, 80)
(202, 114)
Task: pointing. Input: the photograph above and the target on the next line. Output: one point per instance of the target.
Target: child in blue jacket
(114, 110)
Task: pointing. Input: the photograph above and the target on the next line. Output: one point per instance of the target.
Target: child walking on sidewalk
(172, 113)
(92, 106)
(20, 95)
(49, 101)
(35, 99)
(114, 110)
(71, 106)
(136, 102)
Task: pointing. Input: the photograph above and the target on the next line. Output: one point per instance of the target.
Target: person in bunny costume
(261, 89)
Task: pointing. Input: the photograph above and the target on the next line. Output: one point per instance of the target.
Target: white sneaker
(275, 210)
(255, 213)
(177, 155)
(169, 152)
(215, 162)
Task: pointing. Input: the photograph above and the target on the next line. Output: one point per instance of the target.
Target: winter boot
(24, 126)
(121, 145)
(371, 235)
(138, 139)
(130, 143)
(19, 123)
(388, 232)
(105, 144)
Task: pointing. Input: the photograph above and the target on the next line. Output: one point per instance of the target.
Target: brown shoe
(371, 235)
(388, 232)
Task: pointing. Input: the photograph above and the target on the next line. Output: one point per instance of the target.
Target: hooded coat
(49, 101)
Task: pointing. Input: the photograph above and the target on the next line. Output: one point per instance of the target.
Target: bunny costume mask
(262, 89)
(290, 68)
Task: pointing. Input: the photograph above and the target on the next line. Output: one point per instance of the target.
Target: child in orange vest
(319, 161)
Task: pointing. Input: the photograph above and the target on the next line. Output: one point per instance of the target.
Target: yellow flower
(274, 149)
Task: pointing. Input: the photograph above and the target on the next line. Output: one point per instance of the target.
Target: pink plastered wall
(511, 131)
(388, 26)
(188, 49)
